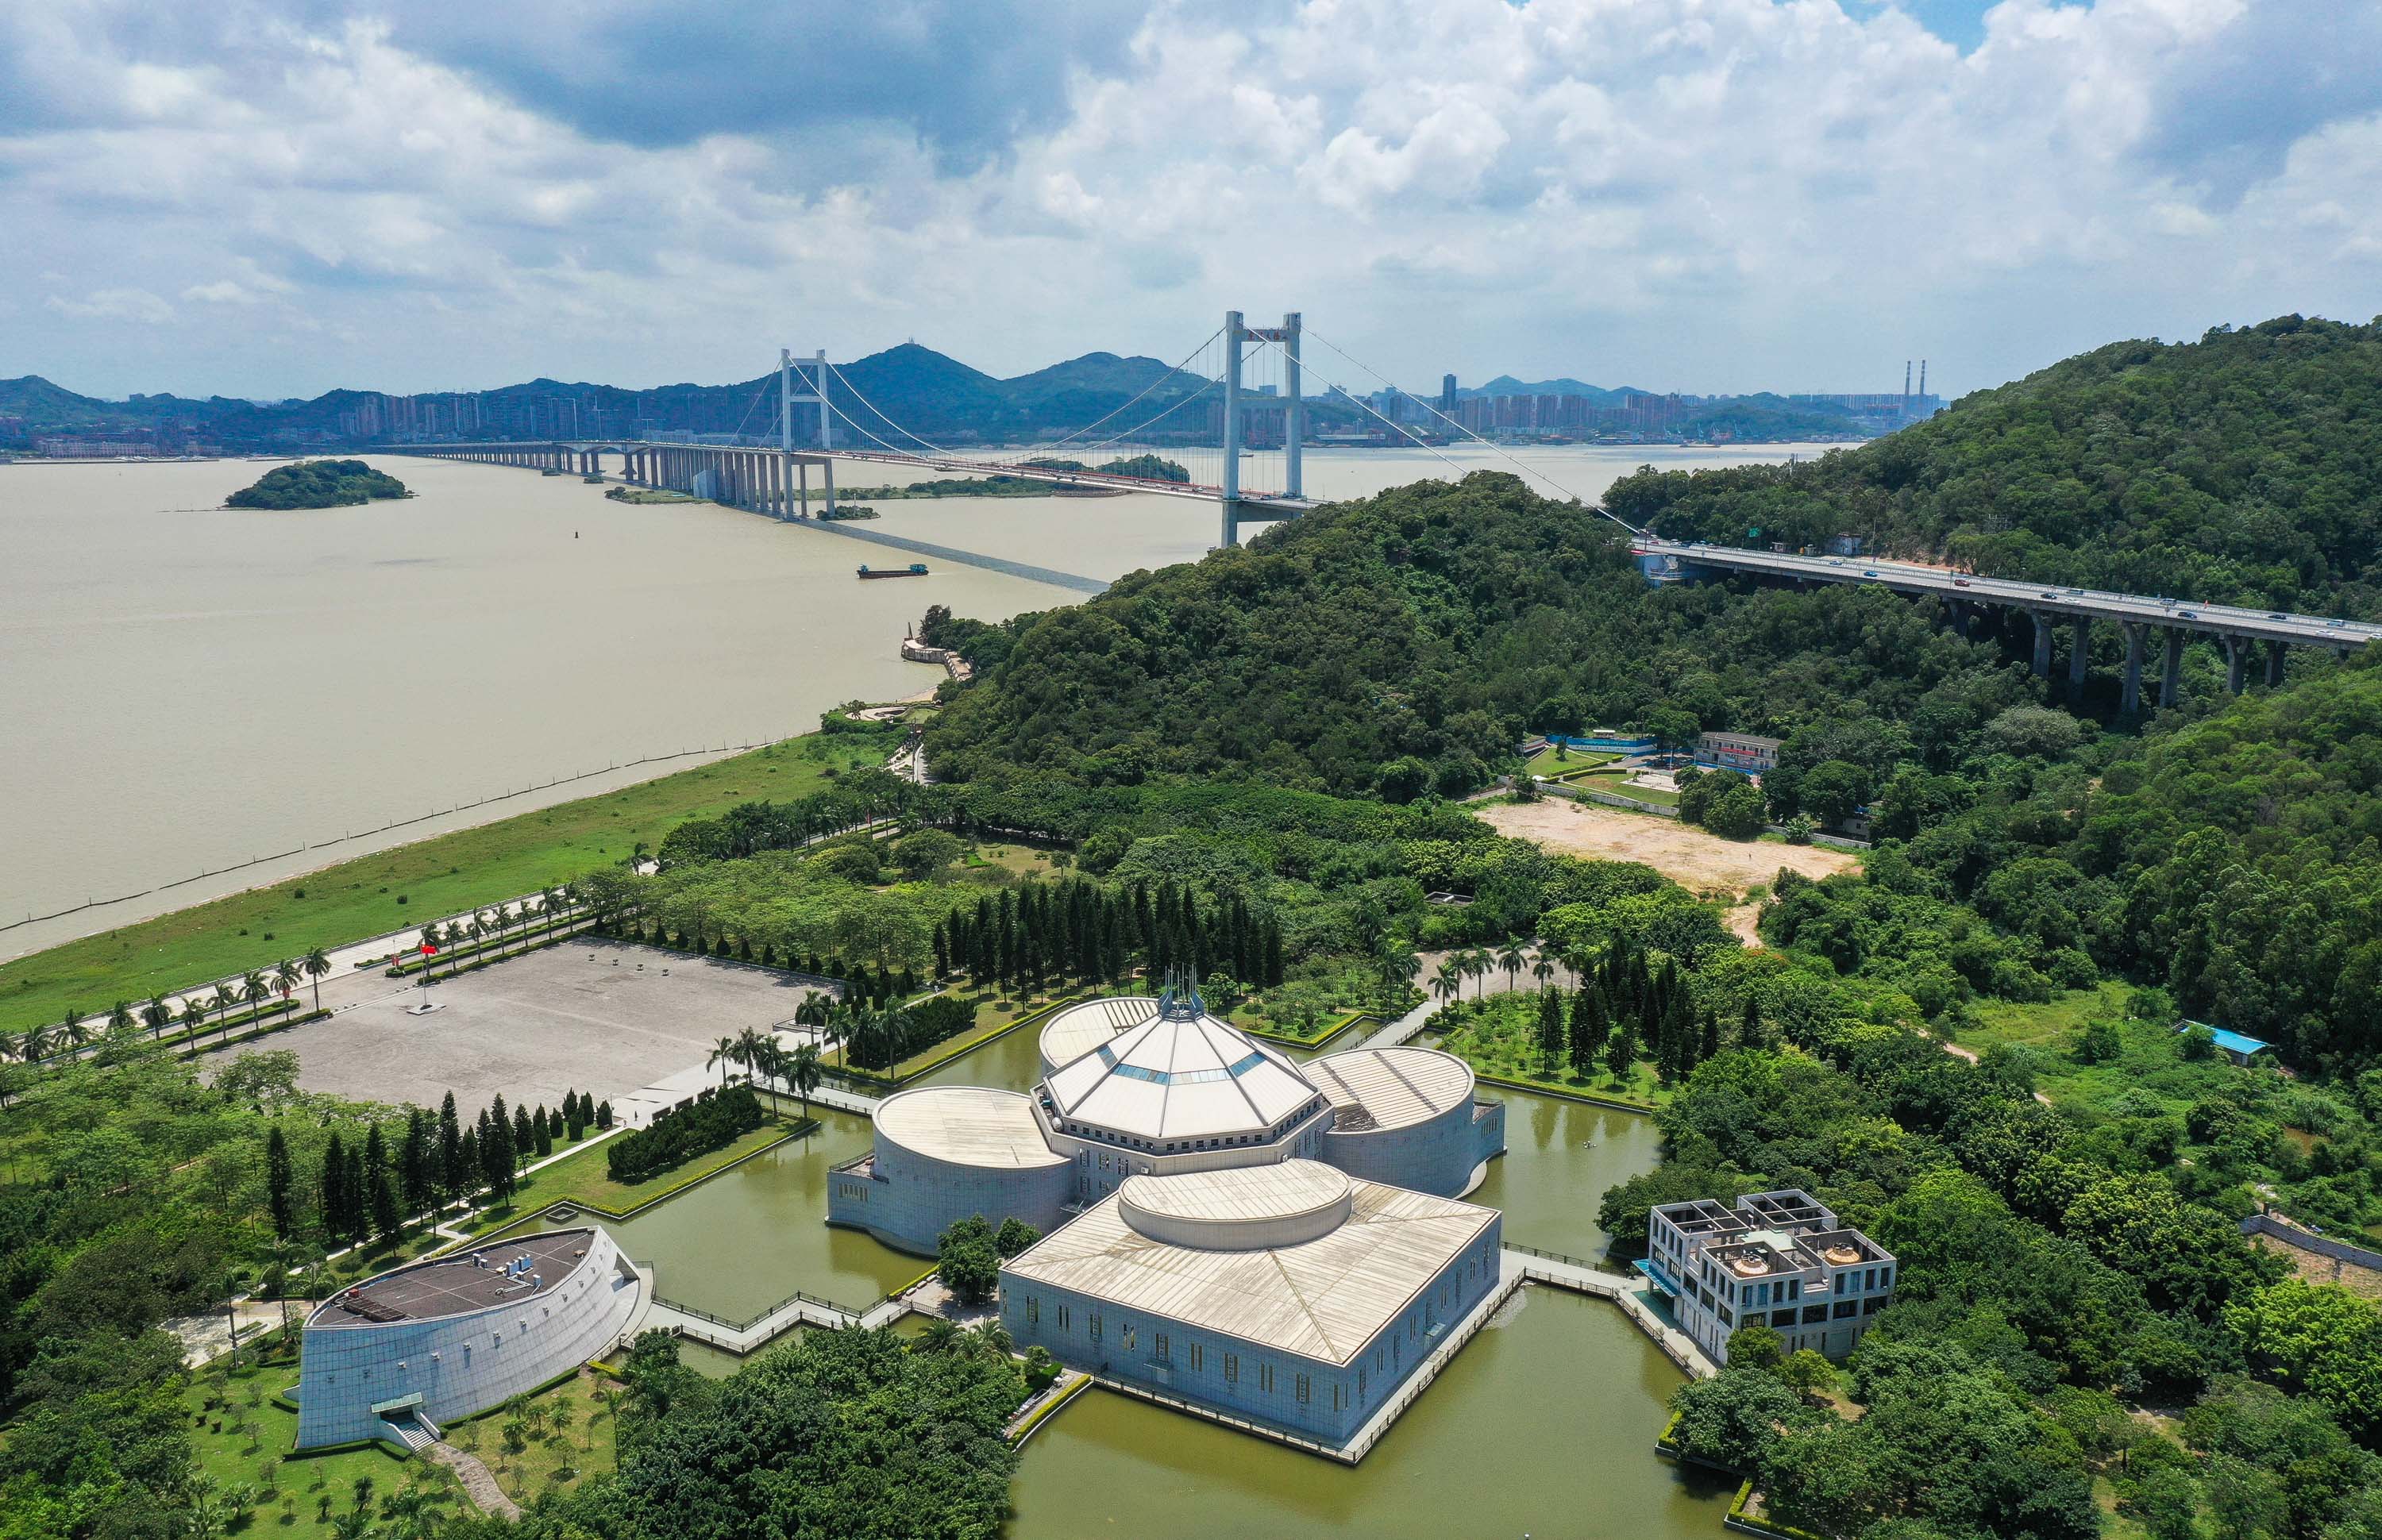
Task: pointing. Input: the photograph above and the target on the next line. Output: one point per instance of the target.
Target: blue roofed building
(2234, 1045)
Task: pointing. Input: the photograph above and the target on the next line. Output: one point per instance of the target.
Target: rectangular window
(1875, 1303)
(1781, 1317)
(1128, 1337)
(1885, 1277)
(1847, 1309)
(1842, 1280)
(1813, 1314)
(1161, 1346)
(1338, 1391)
(1360, 1379)
(1195, 1356)
(1302, 1389)
(1033, 1311)
(1869, 1280)
(1728, 1316)
(1232, 1368)
(1062, 1317)
(1794, 1289)
(1095, 1326)
(1265, 1377)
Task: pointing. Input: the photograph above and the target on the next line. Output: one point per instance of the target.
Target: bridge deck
(2046, 598)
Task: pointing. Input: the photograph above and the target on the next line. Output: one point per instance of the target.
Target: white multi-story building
(1777, 1259)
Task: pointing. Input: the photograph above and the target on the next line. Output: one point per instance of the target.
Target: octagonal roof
(1179, 1073)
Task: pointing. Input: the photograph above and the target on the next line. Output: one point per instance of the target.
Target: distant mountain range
(922, 391)
(928, 394)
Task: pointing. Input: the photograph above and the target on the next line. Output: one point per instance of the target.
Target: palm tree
(803, 1069)
(993, 1338)
(749, 1045)
(1542, 971)
(549, 905)
(227, 996)
(1447, 983)
(254, 990)
(455, 940)
(288, 976)
(317, 963)
(120, 1017)
(1511, 959)
(34, 1045)
(194, 1013)
(723, 1052)
(156, 1015)
(1475, 966)
(940, 1337)
(72, 1033)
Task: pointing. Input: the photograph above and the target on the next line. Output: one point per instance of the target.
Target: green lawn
(1504, 1042)
(407, 885)
(1615, 782)
(2150, 1061)
(1545, 762)
(529, 1455)
(581, 1178)
(244, 1442)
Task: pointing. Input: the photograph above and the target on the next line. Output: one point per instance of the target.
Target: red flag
(429, 950)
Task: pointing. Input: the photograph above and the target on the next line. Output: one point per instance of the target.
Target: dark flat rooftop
(455, 1285)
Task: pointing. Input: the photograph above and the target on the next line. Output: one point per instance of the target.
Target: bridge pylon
(1293, 428)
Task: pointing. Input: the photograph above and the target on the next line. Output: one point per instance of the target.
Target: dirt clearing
(1702, 863)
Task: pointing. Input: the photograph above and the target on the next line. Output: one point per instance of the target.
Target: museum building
(396, 1357)
(1220, 1225)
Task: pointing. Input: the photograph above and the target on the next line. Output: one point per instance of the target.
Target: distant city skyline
(1722, 197)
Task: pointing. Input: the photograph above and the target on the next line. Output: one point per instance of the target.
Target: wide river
(189, 687)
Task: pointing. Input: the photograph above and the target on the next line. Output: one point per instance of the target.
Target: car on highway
(2336, 624)
(2051, 594)
(1959, 582)
(2276, 614)
(2187, 615)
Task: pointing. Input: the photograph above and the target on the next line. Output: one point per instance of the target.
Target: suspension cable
(1204, 386)
(880, 412)
(1491, 444)
(1144, 391)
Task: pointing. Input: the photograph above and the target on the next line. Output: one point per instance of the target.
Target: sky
(271, 198)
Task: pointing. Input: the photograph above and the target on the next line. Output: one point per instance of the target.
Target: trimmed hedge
(715, 1121)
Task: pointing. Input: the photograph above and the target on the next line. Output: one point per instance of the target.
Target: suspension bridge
(1250, 387)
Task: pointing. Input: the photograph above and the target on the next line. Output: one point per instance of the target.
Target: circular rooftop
(1390, 1088)
(1178, 1077)
(968, 1125)
(1241, 1209)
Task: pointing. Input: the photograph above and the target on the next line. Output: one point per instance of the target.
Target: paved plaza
(537, 1026)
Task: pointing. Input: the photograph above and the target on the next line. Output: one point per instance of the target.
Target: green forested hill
(2244, 468)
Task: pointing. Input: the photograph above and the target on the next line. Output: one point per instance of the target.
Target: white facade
(443, 1339)
(1777, 1259)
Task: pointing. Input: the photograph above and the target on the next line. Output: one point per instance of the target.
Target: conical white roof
(1180, 1074)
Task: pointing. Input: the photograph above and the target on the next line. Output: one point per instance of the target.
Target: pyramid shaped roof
(1178, 1075)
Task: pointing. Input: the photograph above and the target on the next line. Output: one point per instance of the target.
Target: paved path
(754, 1334)
(484, 1493)
(1627, 1292)
(1495, 982)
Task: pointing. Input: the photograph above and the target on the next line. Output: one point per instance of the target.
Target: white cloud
(114, 304)
(1681, 193)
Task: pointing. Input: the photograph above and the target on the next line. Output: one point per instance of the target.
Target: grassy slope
(2151, 1061)
(438, 876)
(236, 1444)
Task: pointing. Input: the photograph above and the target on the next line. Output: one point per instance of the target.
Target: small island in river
(318, 483)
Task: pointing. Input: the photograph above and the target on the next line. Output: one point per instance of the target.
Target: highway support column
(2079, 655)
(2171, 673)
(2132, 701)
(2041, 643)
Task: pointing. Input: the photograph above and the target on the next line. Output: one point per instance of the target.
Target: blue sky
(268, 197)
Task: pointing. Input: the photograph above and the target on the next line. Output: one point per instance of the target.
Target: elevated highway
(2239, 631)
